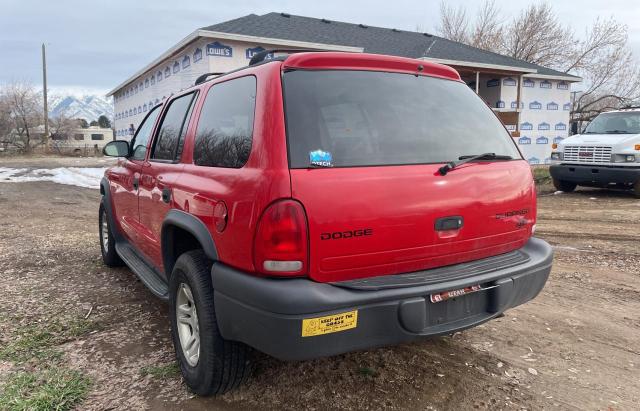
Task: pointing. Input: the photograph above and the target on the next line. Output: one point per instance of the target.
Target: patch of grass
(54, 389)
(367, 372)
(541, 175)
(38, 341)
(161, 371)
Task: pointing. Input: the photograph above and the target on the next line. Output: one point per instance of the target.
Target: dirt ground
(576, 346)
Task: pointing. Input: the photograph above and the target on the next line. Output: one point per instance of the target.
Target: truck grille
(587, 154)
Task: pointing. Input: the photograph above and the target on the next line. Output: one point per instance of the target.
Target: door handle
(166, 195)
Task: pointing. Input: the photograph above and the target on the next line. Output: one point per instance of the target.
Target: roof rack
(201, 79)
(261, 56)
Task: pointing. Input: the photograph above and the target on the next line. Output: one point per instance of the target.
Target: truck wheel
(210, 364)
(636, 189)
(107, 242)
(563, 185)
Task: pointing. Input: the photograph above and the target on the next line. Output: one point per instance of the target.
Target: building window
(197, 55)
(500, 104)
(526, 126)
(144, 107)
(563, 85)
(542, 140)
(135, 111)
(535, 105)
(545, 84)
(186, 62)
(544, 126)
(509, 82)
(167, 72)
(552, 106)
(528, 83)
(566, 107)
(493, 82)
(534, 160)
(97, 136)
(159, 76)
(153, 80)
(558, 139)
(139, 109)
(524, 141)
(225, 129)
(561, 126)
(146, 83)
(514, 104)
(176, 67)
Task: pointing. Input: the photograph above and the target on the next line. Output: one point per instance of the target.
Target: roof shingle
(376, 40)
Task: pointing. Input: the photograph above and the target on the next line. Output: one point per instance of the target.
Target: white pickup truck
(606, 154)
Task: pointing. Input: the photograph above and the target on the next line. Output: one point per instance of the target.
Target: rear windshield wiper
(466, 159)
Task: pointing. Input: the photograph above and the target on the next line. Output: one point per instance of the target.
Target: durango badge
(321, 158)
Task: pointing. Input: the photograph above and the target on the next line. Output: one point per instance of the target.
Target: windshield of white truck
(615, 123)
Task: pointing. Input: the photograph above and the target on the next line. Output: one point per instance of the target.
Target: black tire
(109, 255)
(222, 365)
(636, 189)
(562, 185)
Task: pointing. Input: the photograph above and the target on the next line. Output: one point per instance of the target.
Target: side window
(225, 127)
(141, 139)
(170, 139)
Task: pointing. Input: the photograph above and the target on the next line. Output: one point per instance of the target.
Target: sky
(93, 45)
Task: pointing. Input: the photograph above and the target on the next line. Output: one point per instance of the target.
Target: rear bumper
(267, 314)
(600, 175)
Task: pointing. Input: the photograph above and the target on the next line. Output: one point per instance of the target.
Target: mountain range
(88, 107)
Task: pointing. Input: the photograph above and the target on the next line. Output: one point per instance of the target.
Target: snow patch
(86, 177)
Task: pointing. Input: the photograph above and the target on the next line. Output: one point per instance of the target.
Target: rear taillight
(281, 243)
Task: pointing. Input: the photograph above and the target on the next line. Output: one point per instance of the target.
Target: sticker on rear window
(321, 158)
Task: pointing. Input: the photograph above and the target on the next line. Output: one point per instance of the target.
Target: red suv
(318, 203)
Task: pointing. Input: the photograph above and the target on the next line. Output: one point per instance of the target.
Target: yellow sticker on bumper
(329, 324)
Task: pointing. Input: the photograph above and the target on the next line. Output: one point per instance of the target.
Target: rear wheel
(107, 241)
(563, 185)
(636, 189)
(210, 364)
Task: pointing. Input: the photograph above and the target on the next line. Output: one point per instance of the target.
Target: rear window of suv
(369, 118)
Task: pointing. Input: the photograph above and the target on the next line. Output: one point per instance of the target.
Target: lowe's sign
(218, 49)
(249, 53)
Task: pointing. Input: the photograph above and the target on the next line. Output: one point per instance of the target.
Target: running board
(147, 274)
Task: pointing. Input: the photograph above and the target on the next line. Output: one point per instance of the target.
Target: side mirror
(118, 148)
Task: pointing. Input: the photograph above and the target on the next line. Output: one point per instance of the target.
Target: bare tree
(611, 76)
(6, 122)
(487, 30)
(25, 113)
(454, 24)
(538, 36)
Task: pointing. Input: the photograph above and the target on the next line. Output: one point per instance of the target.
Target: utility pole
(44, 92)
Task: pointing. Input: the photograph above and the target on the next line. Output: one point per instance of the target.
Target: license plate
(445, 295)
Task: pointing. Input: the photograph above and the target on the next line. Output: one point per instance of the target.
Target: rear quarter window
(225, 129)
